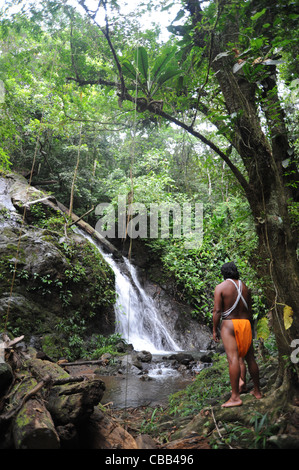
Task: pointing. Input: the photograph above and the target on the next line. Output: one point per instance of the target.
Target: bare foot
(232, 402)
(256, 393)
(242, 386)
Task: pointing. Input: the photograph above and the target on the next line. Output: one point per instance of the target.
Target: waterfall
(137, 317)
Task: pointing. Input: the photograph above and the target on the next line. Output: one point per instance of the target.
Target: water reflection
(151, 389)
(131, 391)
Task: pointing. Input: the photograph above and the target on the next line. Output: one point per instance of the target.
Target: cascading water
(137, 318)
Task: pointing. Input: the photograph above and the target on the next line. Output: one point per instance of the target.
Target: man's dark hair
(230, 270)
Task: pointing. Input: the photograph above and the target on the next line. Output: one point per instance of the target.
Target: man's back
(228, 291)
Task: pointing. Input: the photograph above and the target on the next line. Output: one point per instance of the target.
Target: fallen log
(69, 399)
(20, 399)
(87, 228)
(70, 403)
(82, 363)
(42, 397)
(33, 427)
(23, 195)
(101, 432)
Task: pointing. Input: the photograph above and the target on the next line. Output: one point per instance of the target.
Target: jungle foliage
(193, 118)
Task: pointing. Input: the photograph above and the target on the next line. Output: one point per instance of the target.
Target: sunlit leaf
(238, 66)
(287, 316)
(258, 15)
(161, 62)
(141, 60)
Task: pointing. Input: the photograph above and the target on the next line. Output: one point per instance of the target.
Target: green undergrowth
(210, 383)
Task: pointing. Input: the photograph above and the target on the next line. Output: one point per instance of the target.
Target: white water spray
(137, 317)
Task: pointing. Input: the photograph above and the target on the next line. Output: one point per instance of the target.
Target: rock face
(61, 279)
(188, 333)
(185, 331)
(59, 276)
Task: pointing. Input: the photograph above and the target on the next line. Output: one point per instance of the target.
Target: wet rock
(145, 378)
(207, 357)
(182, 358)
(144, 356)
(120, 347)
(131, 362)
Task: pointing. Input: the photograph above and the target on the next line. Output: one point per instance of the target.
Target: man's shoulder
(220, 286)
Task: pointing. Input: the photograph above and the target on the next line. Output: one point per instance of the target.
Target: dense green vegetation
(102, 111)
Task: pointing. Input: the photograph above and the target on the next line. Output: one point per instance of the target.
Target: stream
(152, 389)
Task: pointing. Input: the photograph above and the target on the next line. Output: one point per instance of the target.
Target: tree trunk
(268, 191)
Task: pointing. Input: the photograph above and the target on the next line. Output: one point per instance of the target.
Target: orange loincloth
(243, 335)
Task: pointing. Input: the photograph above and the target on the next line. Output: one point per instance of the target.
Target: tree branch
(99, 81)
(243, 182)
(124, 95)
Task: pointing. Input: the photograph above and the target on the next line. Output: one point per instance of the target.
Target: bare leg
(230, 345)
(242, 381)
(254, 372)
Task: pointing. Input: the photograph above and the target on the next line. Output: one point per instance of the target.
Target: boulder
(182, 358)
(144, 356)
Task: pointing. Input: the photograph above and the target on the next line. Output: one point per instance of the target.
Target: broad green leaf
(128, 69)
(287, 316)
(258, 15)
(161, 62)
(168, 74)
(180, 15)
(141, 60)
(262, 329)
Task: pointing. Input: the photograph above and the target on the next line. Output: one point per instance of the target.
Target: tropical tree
(228, 64)
(225, 64)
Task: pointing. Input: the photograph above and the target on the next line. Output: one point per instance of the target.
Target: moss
(63, 288)
(54, 345)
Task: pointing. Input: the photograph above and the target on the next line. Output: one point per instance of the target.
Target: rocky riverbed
(51, 405)
(144, 379)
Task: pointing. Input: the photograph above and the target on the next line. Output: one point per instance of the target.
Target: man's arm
(217, 312)
(249, 303)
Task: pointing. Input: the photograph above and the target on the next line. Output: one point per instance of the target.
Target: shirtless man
(232, 303)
